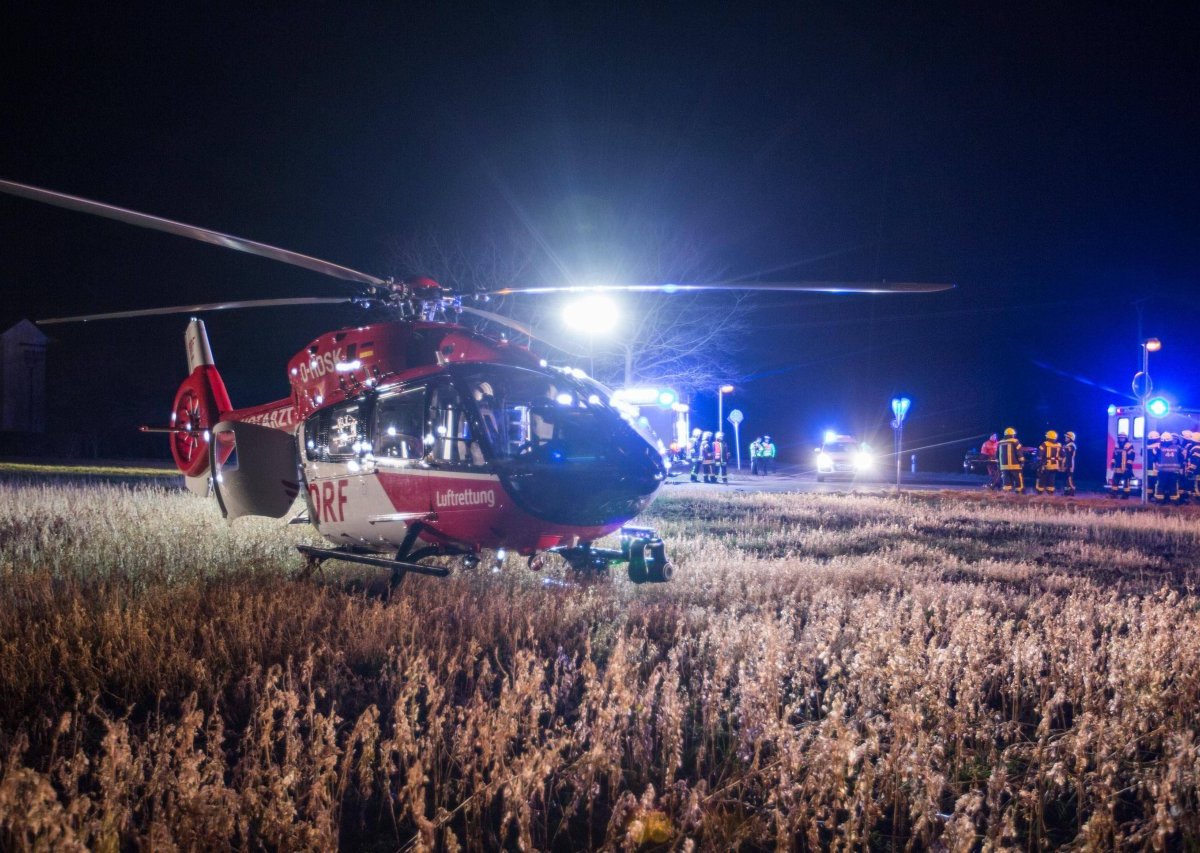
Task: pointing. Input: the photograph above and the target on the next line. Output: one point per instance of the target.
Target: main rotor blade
(522, 328)
(208, 306)
(204, 235)
(776, 286)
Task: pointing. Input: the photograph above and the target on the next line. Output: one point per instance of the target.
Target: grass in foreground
(825, 672)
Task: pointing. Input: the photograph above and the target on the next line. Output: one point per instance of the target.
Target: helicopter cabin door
(467, 498)
(255, 469)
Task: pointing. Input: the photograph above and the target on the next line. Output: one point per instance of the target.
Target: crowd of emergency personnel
(708, 454)
(1055, 463)
(1172, 465)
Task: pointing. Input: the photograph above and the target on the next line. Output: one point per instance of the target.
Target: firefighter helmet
(1153, 434)
(766, 438)
(1051, 435)
(708, 434)
(1167, 437)
(1070, 436)
(696, 433)
(720, 434)
(1122, 435)
(1010, 433)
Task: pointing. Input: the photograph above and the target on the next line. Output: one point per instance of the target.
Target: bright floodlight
(1153, 345)
(594, 313)
(726, 389)
(1159, 407)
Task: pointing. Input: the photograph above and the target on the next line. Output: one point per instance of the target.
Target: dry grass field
(825, 672)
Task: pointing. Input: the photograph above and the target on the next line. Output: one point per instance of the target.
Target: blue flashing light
(666, 398)
(1112, 410)
(1158, 407)
(830, 436)
(900, 407)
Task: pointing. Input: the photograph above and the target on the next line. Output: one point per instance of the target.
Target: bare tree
(684, 340)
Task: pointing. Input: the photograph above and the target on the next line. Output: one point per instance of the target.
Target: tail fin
(199, 404)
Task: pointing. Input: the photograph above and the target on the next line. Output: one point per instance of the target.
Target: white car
(843, 456)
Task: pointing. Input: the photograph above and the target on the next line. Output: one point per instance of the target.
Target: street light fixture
(592, 314)
(1142, 386)
(721, 392)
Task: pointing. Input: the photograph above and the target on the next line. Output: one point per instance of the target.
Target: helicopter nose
(593, 493)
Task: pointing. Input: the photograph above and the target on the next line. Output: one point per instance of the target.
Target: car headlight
(824, 462)
(864, 461)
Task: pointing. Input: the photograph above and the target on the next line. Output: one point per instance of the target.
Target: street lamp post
(721, 392)
(1143, 389)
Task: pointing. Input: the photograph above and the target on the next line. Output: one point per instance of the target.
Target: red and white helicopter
(420, 437)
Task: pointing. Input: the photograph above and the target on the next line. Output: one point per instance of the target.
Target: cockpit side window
(450, 429)
(399, 418)
(337, 433)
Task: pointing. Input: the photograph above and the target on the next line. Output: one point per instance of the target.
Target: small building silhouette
(23, 379)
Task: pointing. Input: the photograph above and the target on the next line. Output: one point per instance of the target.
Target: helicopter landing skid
(641, 549)
(315, 556)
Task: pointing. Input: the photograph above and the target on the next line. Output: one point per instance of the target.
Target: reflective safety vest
(706, 451)
(1051, 455)
(755, 449)
(1008, 451)
(720, 451)
(1153, 450)
(1171, 459)
(1068, 457)
(1123, 456)
(768, 450)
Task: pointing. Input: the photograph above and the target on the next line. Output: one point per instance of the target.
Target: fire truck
(1129, 420)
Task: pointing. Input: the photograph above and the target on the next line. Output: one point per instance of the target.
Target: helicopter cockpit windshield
(563, 450)
(528, 415)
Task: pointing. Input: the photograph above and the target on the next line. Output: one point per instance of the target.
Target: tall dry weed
(829, 672)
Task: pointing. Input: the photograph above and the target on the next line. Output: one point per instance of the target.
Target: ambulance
(1129, 421)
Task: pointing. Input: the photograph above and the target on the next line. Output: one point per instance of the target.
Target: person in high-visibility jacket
(1049, 463)
(1170, 470)
(756, 447)
(768, 454)
(1068, 463)
(1011, 456)
(1122, 466)
(988, 451)
(694, 454)
(1192, 458)
(1153, 449)
(707, 459)
(721, 455)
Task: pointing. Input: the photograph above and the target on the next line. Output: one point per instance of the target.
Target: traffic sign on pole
(900, 407)
(736, 417)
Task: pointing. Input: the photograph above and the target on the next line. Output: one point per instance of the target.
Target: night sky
(1045, 160)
